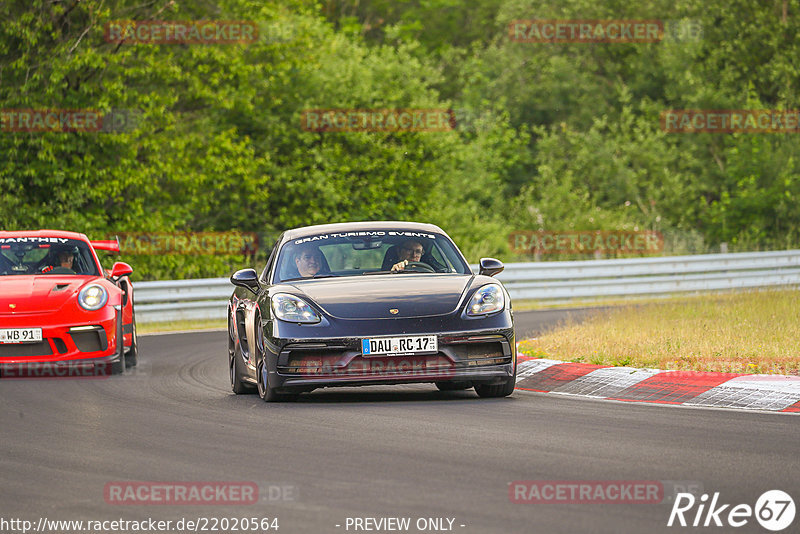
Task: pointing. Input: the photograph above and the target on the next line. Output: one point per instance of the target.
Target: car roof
(364, 225)
(44, 233)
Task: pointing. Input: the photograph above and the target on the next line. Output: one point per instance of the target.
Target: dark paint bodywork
(357, 307)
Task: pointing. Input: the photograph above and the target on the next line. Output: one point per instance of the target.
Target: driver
(308, 261)
(64, 260)
(409, 251)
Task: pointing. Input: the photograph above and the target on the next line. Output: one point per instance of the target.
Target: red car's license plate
(20, 335)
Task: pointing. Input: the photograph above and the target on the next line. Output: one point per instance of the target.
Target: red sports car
(59, 308)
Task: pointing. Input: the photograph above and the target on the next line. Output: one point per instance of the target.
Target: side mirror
(246, 278)
(491, 266)
(121, 268)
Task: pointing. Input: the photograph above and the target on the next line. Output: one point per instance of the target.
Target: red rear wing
(108, 245)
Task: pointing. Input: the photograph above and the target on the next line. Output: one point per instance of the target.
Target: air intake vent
(90, 341)
(42, 348)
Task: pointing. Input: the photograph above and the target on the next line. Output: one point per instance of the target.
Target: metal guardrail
(546, 282)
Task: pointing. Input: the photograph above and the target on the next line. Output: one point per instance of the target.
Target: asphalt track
(396, 451)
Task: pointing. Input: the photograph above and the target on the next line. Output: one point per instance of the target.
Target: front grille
(311, 361)
(374, 366)
(10, 350)
(472, 354)
(476, 351)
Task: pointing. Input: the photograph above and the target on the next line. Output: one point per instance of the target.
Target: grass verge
(749, 332)
(526, 305)
(179, 326)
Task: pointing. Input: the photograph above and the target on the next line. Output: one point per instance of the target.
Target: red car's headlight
(93, 297)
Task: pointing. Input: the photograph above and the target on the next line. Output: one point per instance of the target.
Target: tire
(505, 389)
(453, 386)
(132, 357)
(267, 392)
(236, 366)
(118, 367)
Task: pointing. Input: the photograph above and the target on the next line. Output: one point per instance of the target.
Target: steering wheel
(421, 266)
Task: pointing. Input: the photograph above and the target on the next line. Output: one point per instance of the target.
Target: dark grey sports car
(368, 303)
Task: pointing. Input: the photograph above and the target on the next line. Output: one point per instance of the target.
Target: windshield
(368, 252)
(45, 255)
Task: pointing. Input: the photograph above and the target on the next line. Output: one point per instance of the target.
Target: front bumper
(487, 357)
(93, 339)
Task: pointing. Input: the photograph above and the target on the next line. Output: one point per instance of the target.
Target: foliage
(549, 136)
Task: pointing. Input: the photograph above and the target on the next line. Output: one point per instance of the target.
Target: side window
(265, 273)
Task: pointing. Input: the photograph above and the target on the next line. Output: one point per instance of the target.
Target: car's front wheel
(267, 392)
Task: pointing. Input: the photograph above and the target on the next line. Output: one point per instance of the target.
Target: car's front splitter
(489, 375)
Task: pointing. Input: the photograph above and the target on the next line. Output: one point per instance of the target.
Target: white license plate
(377, 346)
(20, 335)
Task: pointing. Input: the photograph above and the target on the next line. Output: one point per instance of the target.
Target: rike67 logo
(774, 510)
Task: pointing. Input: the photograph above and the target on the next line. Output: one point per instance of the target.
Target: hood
(37, 294)
(372, 296)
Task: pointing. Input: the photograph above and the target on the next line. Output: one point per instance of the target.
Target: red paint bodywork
(35, 301)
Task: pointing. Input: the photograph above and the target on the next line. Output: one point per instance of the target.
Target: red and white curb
(776, 393)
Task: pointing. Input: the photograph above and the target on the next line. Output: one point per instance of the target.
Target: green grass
(179, 326)
(529, 304)
(748, 332)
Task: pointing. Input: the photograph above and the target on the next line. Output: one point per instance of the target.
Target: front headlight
(93, 297)
(293, 309)
(488, 299)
